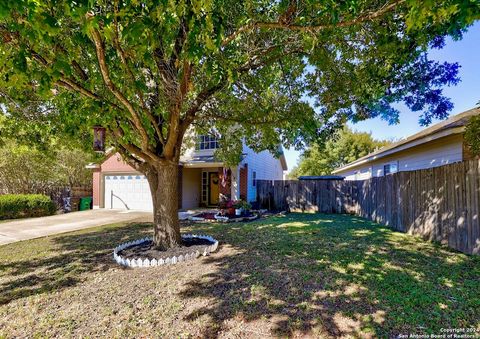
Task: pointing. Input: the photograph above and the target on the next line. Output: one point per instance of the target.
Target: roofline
(426, 135)
(200, 164)
(92, 166)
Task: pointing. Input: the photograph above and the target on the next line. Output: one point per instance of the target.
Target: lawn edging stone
(145, 262)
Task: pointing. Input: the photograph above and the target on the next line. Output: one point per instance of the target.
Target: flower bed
(219, 217)
(123, 260)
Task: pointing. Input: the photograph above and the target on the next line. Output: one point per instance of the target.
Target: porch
(204, 185)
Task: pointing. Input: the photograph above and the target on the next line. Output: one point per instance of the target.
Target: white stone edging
(139, 262)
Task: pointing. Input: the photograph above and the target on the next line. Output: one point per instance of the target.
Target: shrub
(472, 134)
(14, 206)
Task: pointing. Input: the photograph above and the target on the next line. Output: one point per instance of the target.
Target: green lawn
(298, 275)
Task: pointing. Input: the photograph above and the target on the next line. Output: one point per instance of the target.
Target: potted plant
(241, 207)
(230, 207)
(246, 206)
(238, 205)
(226, 206)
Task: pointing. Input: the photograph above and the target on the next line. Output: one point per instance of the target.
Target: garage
(127, 191)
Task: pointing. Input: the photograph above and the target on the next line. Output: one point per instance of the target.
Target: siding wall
(439, 152)
(264, 164)
(192, 178)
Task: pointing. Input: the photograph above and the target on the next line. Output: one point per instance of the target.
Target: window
(207, 142)
(390, 168)
(254, 177)
(394, 167)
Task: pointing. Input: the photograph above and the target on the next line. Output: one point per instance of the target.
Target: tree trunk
(163, 180)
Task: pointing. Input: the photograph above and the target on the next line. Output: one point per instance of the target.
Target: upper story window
(207, 142)
(254, 177)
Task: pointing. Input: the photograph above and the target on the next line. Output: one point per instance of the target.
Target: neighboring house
(202, 178)
(437, 145)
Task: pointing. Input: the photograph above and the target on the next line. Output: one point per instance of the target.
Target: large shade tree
(149, 70)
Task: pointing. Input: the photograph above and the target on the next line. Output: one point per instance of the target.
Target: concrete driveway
(23, 229)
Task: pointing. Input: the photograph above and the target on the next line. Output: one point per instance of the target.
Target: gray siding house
(438, 145)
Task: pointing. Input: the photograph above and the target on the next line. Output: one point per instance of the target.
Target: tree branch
(244, 121)
(281, 24)
(100, 50)
(123, 58)
(132, 148)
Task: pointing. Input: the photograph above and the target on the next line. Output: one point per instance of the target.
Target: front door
(213, 188)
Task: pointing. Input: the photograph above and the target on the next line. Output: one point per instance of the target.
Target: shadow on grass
(336, 275)
(313, 274)
(53, 263)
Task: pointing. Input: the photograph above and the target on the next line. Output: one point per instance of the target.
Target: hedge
(13, 206)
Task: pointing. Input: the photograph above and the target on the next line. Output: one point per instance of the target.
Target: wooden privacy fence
(441, 203)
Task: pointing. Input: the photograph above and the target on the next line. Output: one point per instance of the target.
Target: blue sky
(464, 96)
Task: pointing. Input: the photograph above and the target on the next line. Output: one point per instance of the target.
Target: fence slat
(441, 203)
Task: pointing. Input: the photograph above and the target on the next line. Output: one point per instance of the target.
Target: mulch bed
(210, 216)
(147, 249)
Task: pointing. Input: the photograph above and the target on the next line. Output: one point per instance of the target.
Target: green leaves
(4, 9)
(452, 14)
(472, 135)
(223, 64)
(345, 147)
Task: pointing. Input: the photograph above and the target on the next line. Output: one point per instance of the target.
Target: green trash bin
(85, 203)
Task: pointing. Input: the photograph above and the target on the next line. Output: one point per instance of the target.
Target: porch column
(97, 191)
(243, 178)
(235, 183)
(180, 186)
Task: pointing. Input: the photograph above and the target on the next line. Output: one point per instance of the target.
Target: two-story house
(202, 180)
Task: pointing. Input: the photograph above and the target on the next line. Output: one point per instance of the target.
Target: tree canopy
(25, 169)
(344, 147)
(145, 69)
(149, 70)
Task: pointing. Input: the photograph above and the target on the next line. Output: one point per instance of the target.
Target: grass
(298, 275)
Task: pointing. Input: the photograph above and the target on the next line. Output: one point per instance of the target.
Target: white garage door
(129, 192)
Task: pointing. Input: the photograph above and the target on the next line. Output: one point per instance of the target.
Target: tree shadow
(58, 262)
(313, 275)
(334, 275)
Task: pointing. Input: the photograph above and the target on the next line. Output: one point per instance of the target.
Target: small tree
(149, 70)
(25, 169)
(344, 147)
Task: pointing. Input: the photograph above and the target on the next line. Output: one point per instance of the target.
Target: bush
(472, 134)
(13, 206)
